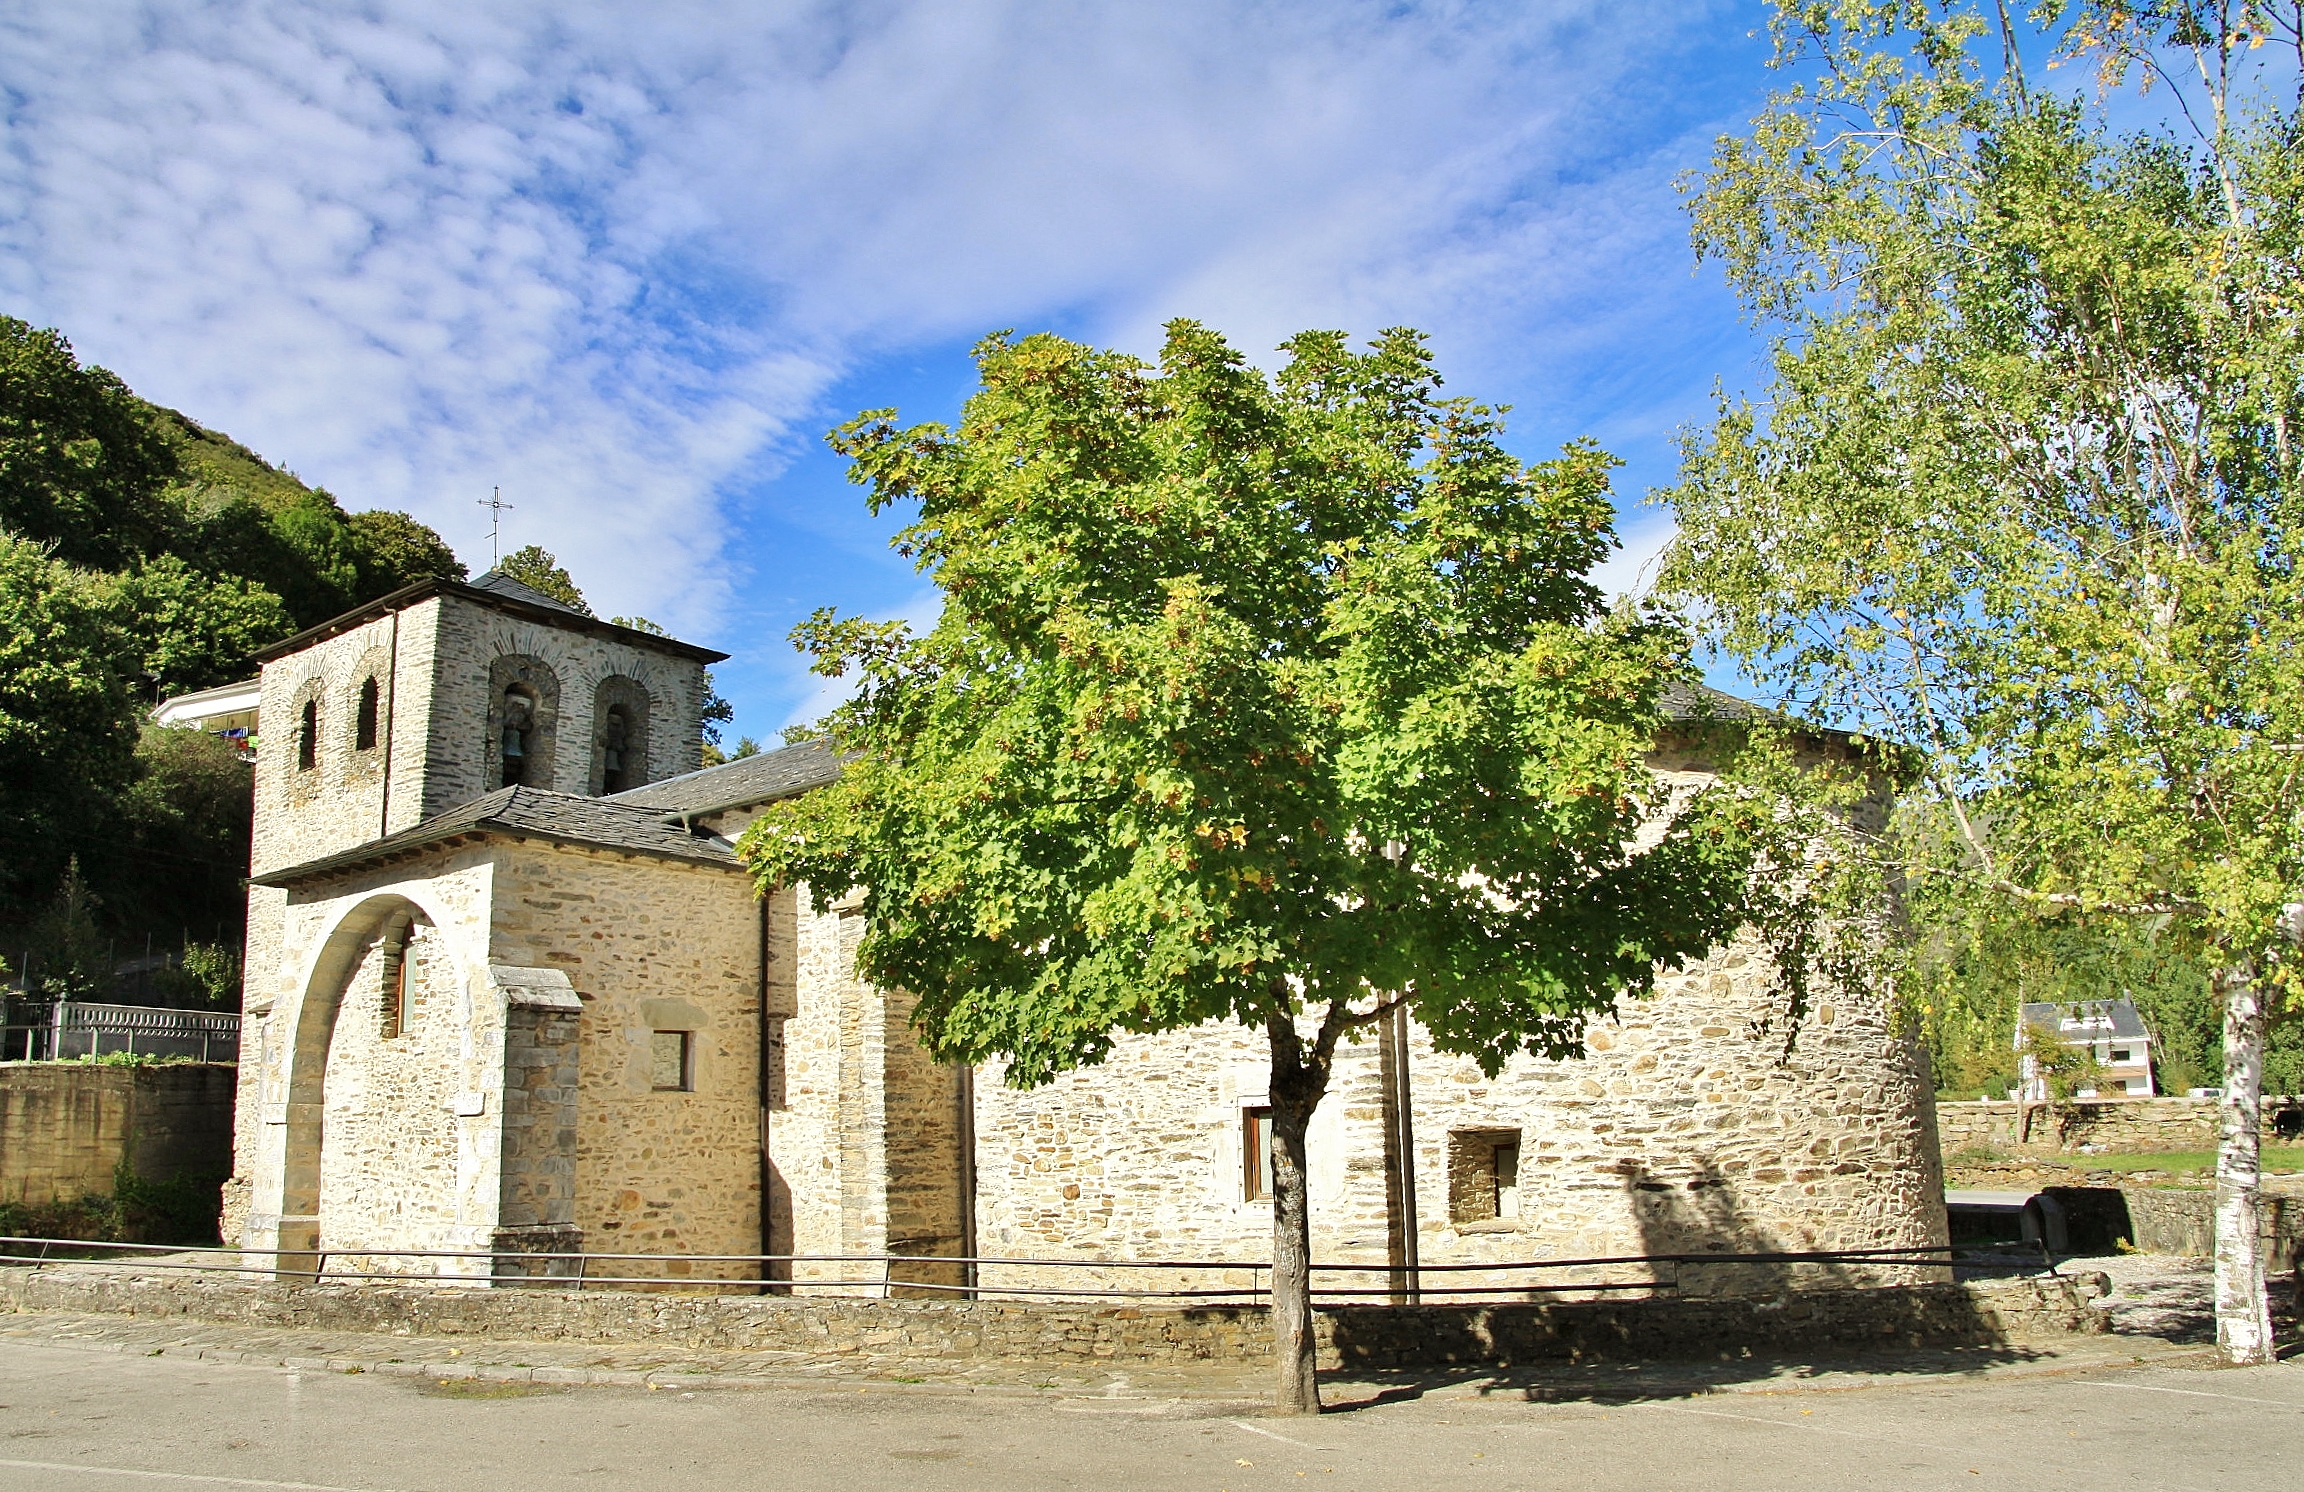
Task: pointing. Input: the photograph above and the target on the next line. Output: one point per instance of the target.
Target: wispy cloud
(612, 257)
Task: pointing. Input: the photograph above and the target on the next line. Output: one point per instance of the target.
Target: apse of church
(510, 989)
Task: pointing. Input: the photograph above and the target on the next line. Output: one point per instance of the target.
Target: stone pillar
(536, 1179)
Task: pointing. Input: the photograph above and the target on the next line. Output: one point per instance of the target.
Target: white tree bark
(2243, 1314)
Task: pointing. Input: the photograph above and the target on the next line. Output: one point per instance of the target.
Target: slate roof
(500, 592)
(532, 813)
(782, 773)
(497, 583)
(1703, 702)
(2065, 1019)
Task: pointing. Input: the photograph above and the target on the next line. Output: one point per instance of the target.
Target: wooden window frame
(1256, 1153)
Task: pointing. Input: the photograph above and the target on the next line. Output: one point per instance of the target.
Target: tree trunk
(2243, 1316)
(1294, 1348)
(1297, 1086)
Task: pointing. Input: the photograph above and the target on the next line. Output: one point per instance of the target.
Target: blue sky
(629, 263)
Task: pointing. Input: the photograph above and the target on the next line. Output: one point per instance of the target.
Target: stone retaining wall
(2131, 1125)
(1350, 1336)
(2173, 1220)
(65, 1126)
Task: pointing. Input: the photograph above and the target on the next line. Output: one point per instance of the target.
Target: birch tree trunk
(2243, 1315)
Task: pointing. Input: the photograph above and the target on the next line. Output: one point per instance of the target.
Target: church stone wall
(393, 1168)
(463, 741)
(396, 1097)
(650, 945)
(1141, 1158)
(1687, 1129)
(866, 1132)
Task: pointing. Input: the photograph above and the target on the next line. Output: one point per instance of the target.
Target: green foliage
(186, 816)
(142, 555)
(66, 715)
(1248, 697)
(181, 1210)
(81, 465)
(391, 550)
(536, 568)
(67, 956)
(192, 630)
(2065, 1067)
(205, 977)
(2023, 491)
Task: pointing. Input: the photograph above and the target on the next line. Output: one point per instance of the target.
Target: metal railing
(85, 1028)
(884, 1275)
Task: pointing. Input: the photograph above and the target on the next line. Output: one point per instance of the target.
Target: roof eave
(409, 595)
(382, 853)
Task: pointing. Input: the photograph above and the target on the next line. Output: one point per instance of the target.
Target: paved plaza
(109, 1403)
(71, 1417)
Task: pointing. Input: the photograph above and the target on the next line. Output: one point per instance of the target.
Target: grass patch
(2275, 1158)
(484, 1388)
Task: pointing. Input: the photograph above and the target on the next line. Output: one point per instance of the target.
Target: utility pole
(497, 507)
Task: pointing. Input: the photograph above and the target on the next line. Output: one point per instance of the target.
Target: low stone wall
(2172, 1220)
(64, 1126)
(2130, 1125)
(1350, 1336)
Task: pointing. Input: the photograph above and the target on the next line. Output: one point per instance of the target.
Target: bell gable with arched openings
(620, 736)
(521, 735)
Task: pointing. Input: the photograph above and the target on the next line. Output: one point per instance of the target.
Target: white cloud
(607, 257)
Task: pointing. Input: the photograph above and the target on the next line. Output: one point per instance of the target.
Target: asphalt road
(78, 1421)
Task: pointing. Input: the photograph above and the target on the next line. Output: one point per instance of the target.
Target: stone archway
(284, 1209)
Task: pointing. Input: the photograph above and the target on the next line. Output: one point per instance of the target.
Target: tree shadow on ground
(1660, 1379)
(1708, 1325)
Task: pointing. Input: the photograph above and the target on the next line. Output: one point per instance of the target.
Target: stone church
(510, 990)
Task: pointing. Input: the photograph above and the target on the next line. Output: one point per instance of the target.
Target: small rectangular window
(2120, 1054)
(1256, 1154)
(395, 991)
(1483, 1175)
(668, 1066)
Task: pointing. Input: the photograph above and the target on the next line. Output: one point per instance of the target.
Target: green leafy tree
(82, 466)
(67, 716)
(2024, 487)
(391, 550)
(175, 854)
(68, 956)
(535, 567)
(192, 631)
(1278, 700)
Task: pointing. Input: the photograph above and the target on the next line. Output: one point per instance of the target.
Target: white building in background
(228, 710)
(2110, 1028)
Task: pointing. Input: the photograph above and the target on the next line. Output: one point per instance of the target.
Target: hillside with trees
(143, 555)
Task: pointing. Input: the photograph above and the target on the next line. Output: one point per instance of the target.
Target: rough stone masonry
(509, 989)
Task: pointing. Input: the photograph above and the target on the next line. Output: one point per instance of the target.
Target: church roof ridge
(496, 590)
(783, 773)
(531, 813)
(497, 583)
